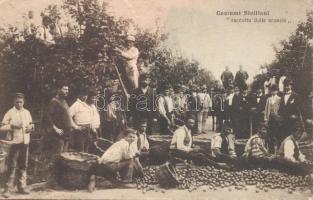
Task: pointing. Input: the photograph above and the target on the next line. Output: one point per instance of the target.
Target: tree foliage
(82, 54)
(295, 58)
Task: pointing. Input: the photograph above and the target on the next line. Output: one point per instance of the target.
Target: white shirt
(45, 35)
(162, 102)
(119, 151)
(81, 113)
(131, 55)
(144, 144)
(17, 118)
(266, 87)
(289, 151)
(95, 117)
(205, 100)
(286, 97)
(217, 143)
(179, 137)
(281, 83)
(230, 99)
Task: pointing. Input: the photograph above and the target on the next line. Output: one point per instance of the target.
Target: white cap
(130, 38)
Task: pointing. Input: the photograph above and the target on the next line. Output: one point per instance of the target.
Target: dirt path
(172, 194)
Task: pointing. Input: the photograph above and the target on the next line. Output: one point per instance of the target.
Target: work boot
(6, 193)
(92, 183)
(23, 191)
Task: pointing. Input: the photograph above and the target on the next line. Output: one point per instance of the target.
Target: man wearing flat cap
(17, 121)
(130, 54)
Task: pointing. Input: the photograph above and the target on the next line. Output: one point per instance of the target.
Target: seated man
(181, 145)
(290, 156)
(223, 147)
(118, 159)
(255, 149)
(140, 146)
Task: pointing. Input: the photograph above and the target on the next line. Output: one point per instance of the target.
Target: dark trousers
(198, 158)
(164, 126)
(17, 166)
(273, 139)
(83, 139)
(125, 168)
(243, 131)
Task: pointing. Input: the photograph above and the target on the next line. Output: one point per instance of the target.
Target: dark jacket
(292, 107)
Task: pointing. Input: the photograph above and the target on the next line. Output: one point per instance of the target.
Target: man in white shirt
(205, 105)
(165, 106)
(95, 116)
(292, 158)
(81, 114)
(117, 160)
(181, 145)
(130, 54)
(18, 122)
(140, 147)
(223, 146)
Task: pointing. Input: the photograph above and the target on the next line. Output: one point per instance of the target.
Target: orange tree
(295, 58)
(83, 55)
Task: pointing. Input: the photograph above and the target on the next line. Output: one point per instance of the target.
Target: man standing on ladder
(130, 54)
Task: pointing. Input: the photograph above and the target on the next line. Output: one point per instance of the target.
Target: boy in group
(18, 121)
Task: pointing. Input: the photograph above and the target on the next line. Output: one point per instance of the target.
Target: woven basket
(240, 146)
(73, 179)
(203, 143)
(74, 169)
(5, 147)
(307, 150)
(101, 145)
(78, 160)
(2, 162)
(166, 176)
(159, 148)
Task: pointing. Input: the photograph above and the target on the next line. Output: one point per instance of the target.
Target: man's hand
(116, 49)
(16, 126)
(29, 129)
(60, 132)
(169, 122)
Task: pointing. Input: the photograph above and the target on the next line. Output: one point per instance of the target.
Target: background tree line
(295, 58)
(82, 55)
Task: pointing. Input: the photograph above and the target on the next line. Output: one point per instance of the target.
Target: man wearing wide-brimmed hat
(130, 54)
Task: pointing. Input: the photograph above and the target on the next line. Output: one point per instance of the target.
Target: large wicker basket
(307, 150)
(74, 169)
(5, 147)
(203, 143)
(159, 148)
(2, 162)
(166, 176)
(100, 146)
(240, 146)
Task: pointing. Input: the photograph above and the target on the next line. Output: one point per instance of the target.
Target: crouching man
(223, 147)
(181, 146)
(140, 146)
(117, 161)
(18, 122)
(290, 156)
(256, 152)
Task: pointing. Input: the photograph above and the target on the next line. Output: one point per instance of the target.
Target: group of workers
(76, 126)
